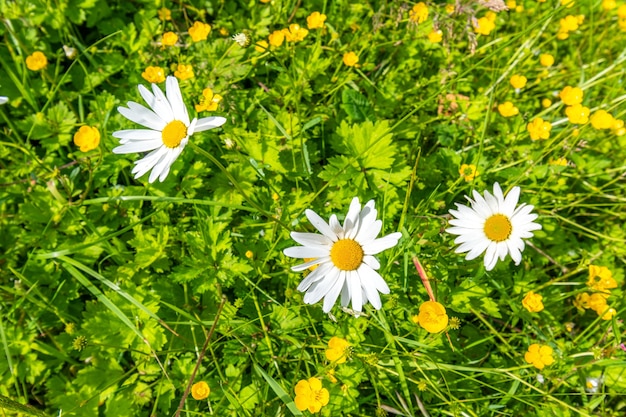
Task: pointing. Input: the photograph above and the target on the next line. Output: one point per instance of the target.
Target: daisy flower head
(168, 129)
(494, 224)
(344, 256)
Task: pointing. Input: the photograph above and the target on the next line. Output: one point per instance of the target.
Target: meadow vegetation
(285, 207)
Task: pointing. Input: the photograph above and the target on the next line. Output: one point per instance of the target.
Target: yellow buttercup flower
(569, 23)
(350, 59)
(315, 20)
(539, 356)
(581, 302)
(577, 114)
(419, 13)
(609, 314)
(546, 102)
(518, 81)
(153, 74)
(87, 138)
(169, 39)
(571, 95)
(199, 31)
(468, 172)
(184, 72)
(310, 395)
(249, 254)
(539, 129)
(618, 127)
(435, 36)
(602, 119)
(600, 278)
(295, 33)
(450, 8)
(276, 38)
(597, 302)
(567, 3)
(432, 317)
(546, 60)
(200, 390)
(209, 101)
(533, 302)
(561, 161)
(164, 14)
(36, 61)
(621, 11)
(338, 350)
(609, 4)
(507, 109)
(261, 46)
(484, 26)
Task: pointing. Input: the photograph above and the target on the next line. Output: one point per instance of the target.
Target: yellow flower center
(346, 254)
(498, 228)
(174, 133)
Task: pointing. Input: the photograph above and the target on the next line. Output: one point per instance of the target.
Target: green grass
(117, 294)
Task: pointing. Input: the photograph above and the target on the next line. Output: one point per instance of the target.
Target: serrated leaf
(356, 105)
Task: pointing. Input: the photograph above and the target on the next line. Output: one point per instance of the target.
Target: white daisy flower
(168, 130)
(344, 258)
(3, 99)
(493, 224)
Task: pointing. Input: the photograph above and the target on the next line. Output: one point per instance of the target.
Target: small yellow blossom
(249, 254)
(295, 33)
(580, 18)
(455, 323)
(507, 109)
(561, 161)
(546, 60)
(450, 8)
(315, 20)
(200, 390)
(533, 302)
(601, 119)
(468, 172)
(577, 114)
(209, 101)
(539, 129)
(618, 127)
(518, 81)
(350, 59)
(621, 11)
(581, 302)
(601, 278)
(310, 395)
(492, 16)
(622, 24)
(576, 132)
(546, 102)
(153, 74)
(484, 26)
(511, 4)
(199, 31)
(276, 38)
(184, 72)
(87, 138)
(435, 36)
(223, 32)
(609, 4)
(169, 39)
(609, 314)
(539, 355)
(338, 350)
(432, 317)
(597, 302)
(419, 13)
(330, 374)
(261, 46)
(569, 24)
(571, 95)
(567, 3)
(265, 1)
(36, 61)
(164, 13)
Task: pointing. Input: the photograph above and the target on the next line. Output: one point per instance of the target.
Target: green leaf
(356, 105)
(279, 391)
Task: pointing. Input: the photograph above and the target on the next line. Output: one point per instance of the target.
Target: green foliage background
(108, 285)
